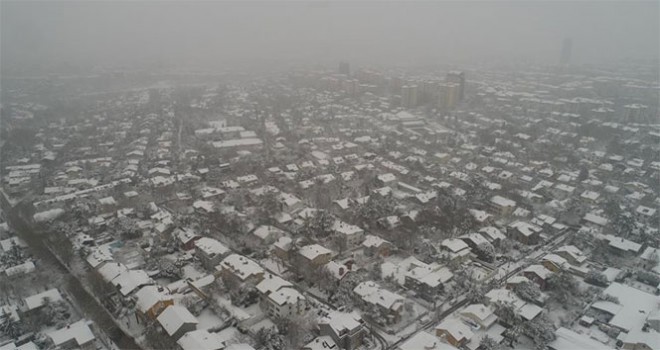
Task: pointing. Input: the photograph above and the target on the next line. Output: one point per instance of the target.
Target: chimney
(341, 271)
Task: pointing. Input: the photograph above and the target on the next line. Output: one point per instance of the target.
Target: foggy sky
(190, 34)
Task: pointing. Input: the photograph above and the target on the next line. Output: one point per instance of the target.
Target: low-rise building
(501, 205)
(480, 314)
(314, 256)
(278, 297)
(37, 301)
(376, 246)
(454, 331)
(538, 274)
(425, 341)
(349, 235)
(524, 232)
(390, 304)
(428, 281)
(347, 330)
(176, 321)
(77, 335)
(210, 252)
(455, 249)
(186, 237)
(201, 339)
(238, 269)
(150, 301)
(572, 254)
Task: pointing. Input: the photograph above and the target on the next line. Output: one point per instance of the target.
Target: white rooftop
(201, 339)
(79, 331)
(174, 317)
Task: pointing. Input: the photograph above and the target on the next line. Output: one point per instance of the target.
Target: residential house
(37, 301)
(238, 269)
(428, 281)
(390, 304)
(455, 249)
(622, 246)
(566, 339)
(176, 321)
(210, 252)
(349, 235)
(482, 217)
(150, 301)
(501, 205)
(390, 222)
(323, 342)
(337, 271)
(524, 232)
(387, 179)
(376, 246)
(594, 220)
(538, 274)
(640, 340)
(479, 314)
(347, 330)
(492, 234)
(572, 254)
(77, 335)
(282, 247)
(202, 339)
(340, 206)
(425, 341)
(314, 256)
(130, 280)
(473, 240)
(278, 297)
(266, 235)
(513, 281)
(554, 262)
(186, 237)
(290, 203)
(527, 311)
(454, 331)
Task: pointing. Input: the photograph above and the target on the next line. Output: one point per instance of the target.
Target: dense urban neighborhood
(354, 208)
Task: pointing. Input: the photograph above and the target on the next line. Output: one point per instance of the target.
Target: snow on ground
(595, 333)
(390, 338)
(191, 271)
(47, 215)
(265, 323)
(412, 328)
(556, 313)
(240, 314)
(131, 324)
(391, 268)
(208, 319)
(230, 335)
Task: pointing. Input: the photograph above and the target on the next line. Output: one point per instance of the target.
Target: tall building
(459, 79)
(409, 96)
(448, 96)
(566, 51)
(344, 68)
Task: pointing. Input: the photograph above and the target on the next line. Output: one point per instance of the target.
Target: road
(88, 304)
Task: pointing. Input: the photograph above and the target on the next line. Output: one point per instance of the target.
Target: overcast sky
(189, 34)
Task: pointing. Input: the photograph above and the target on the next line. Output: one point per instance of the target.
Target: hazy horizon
(217, 35)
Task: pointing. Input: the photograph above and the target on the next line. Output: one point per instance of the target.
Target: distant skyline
(223, 35)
